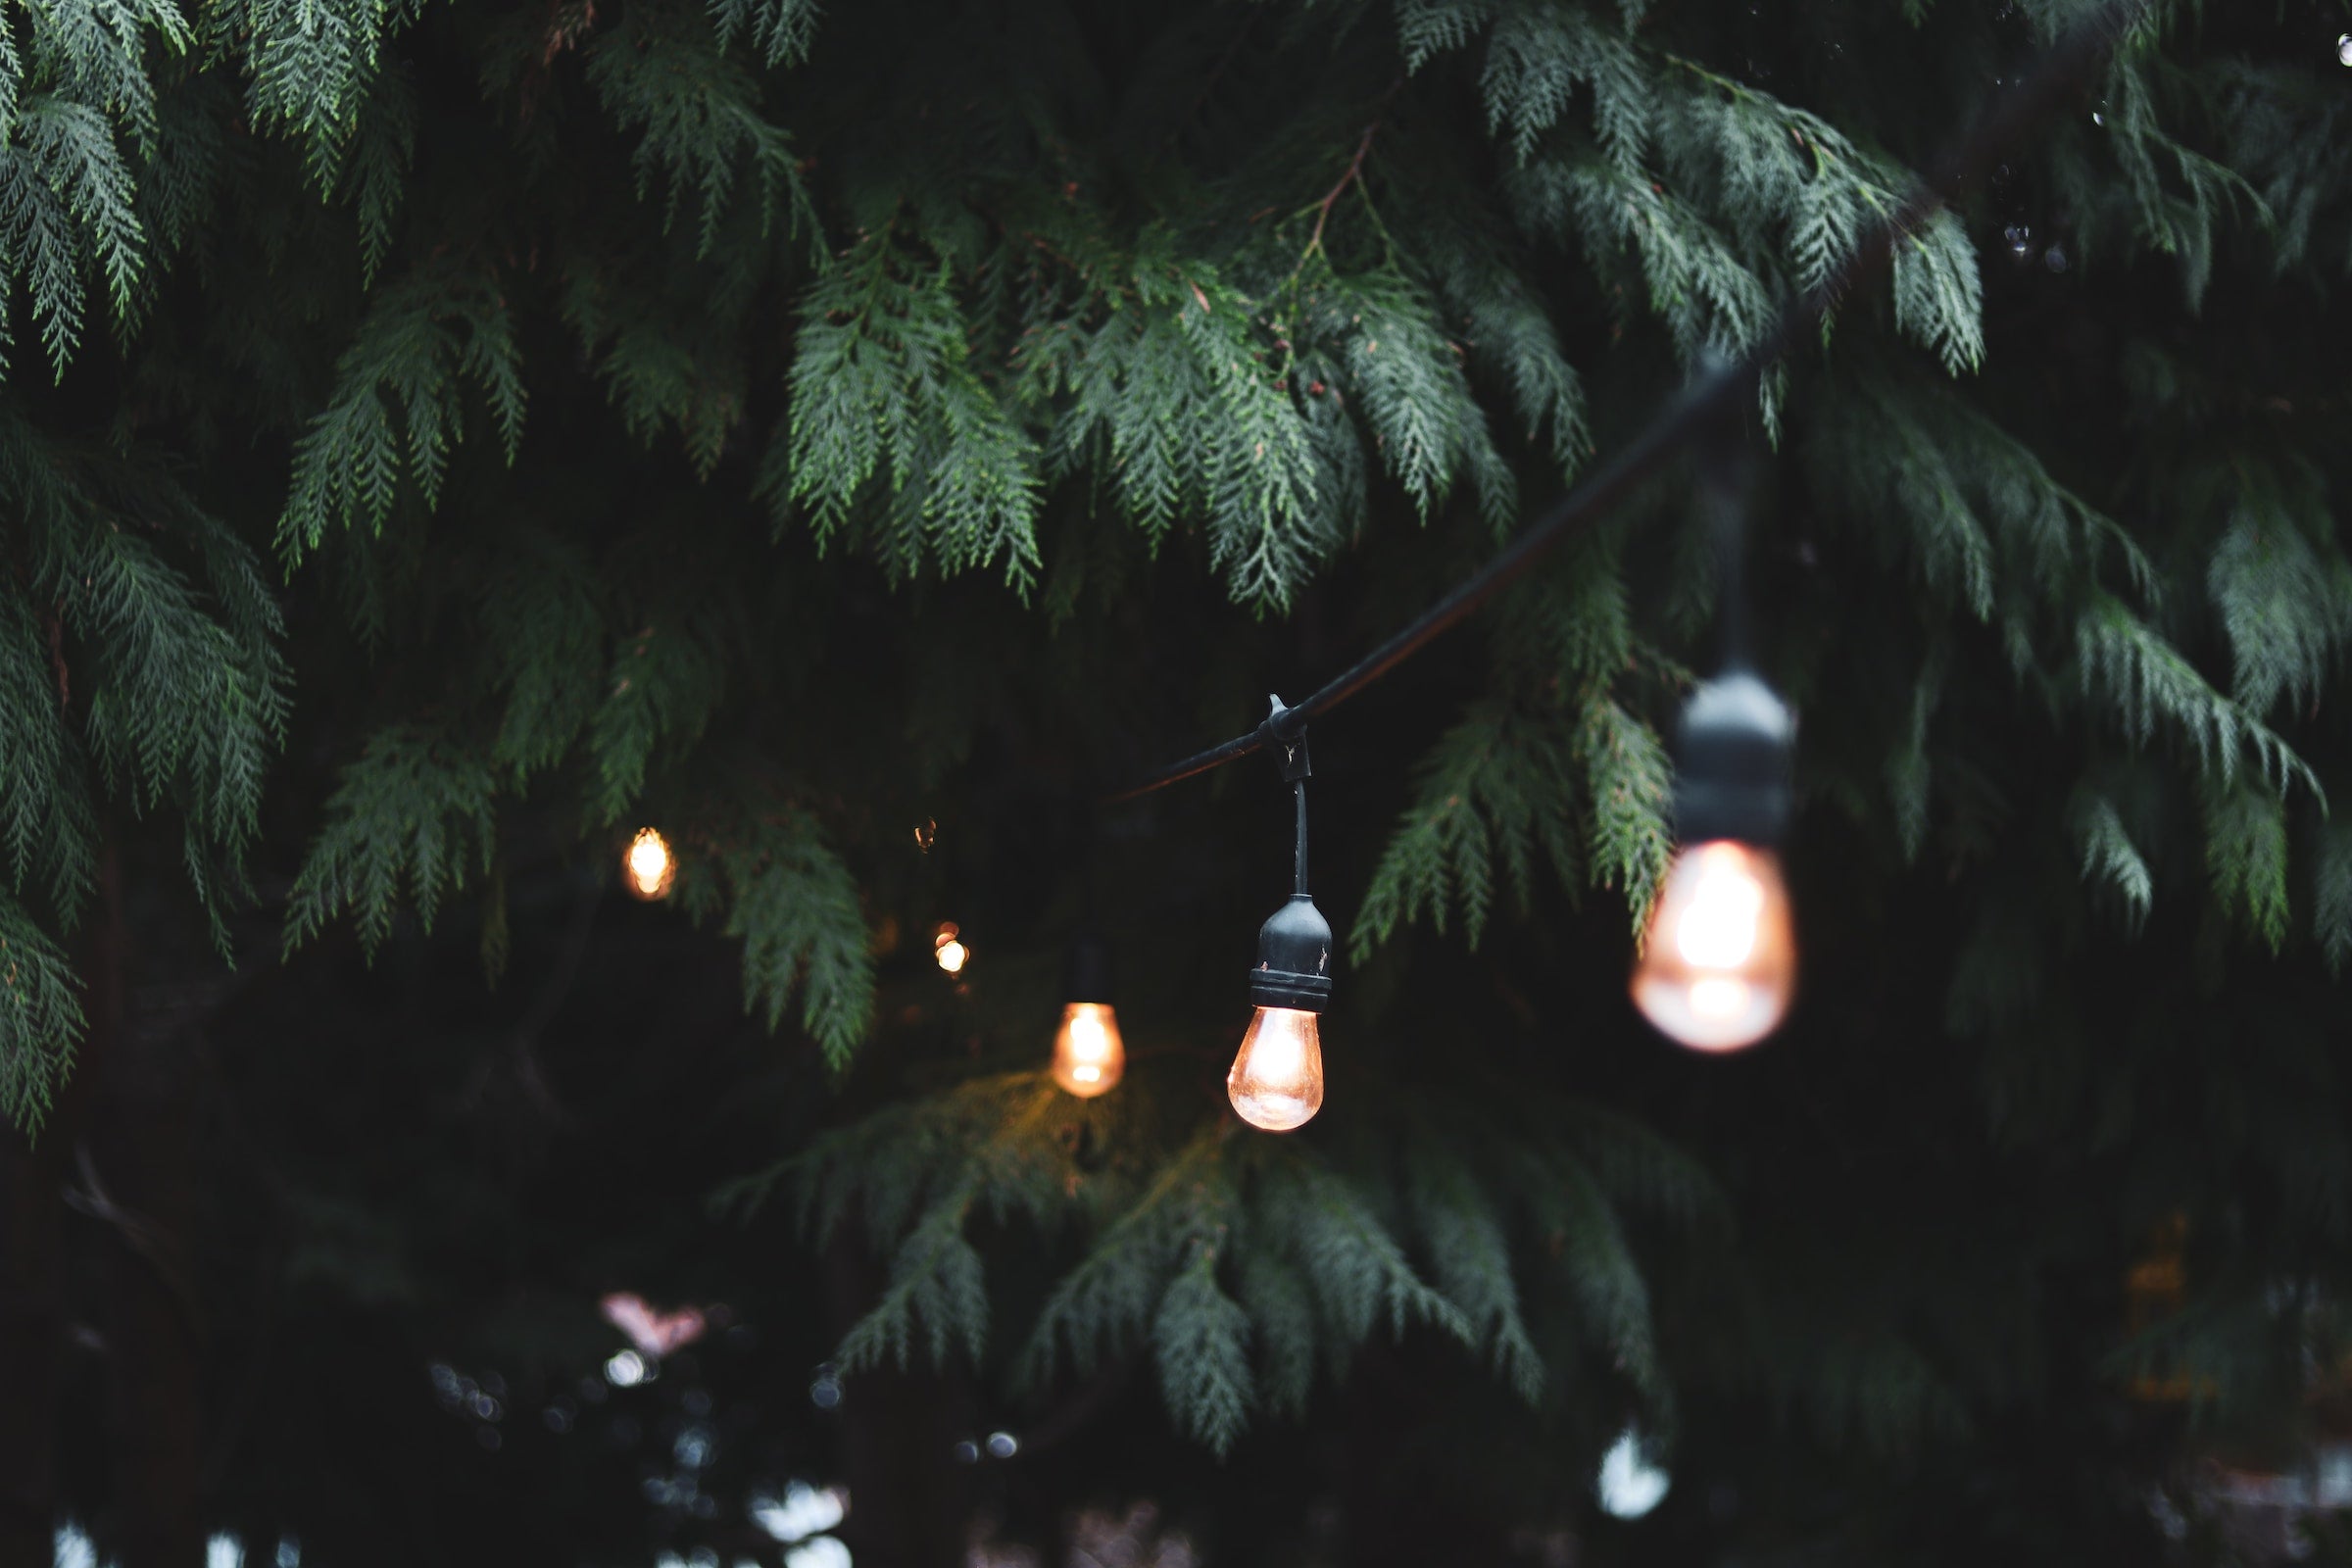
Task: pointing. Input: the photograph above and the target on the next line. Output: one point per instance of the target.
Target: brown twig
(1355, 171)
(1354, 174)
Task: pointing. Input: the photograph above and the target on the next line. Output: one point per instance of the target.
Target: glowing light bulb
(1277, 1080)
(1718, 967)
(951, 953)
(650, 865)
(1087, 1055)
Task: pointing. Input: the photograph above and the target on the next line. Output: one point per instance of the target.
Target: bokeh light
(799, 1511)
(1089, 1057)
(648, 867)
(1629, 1485)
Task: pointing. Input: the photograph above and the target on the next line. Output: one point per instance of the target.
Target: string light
(949, 953)
(1718, 965)
(1089, 1057)
(1277, 1077)
(648, 866)
(1718, 969)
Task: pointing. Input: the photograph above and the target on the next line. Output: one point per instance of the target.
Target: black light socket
(1293, 958)
(1731, 762)
(1088, 977)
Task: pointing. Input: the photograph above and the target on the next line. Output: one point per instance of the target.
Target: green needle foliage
(780, 424)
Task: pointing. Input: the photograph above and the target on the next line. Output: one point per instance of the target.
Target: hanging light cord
(1723, 466)
(1298, 860)
(1718, 393)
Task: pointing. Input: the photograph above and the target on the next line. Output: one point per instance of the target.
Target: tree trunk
(33, 1344)
(135, 1172)
(910, 1499)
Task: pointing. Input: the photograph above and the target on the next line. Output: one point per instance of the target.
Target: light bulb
(1277, 1080)
(1719, 965)
(649, 865)
(1088, 1054)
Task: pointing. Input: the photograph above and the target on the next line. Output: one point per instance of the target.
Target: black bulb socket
(1732, 762)
(1088, 977)
(1293, 958)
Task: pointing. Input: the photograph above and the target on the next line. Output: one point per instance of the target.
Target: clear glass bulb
(1718, 967)
(1277, 1080)
(649, 865)
(1087, 1055)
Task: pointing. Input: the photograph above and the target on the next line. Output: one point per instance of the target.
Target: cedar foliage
(733, 304)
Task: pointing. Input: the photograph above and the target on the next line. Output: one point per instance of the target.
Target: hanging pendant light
(1718, 964)
(1089, 1057)
(1277, 1078)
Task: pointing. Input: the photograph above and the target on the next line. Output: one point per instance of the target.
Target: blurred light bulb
(1629, 1484)
(649, 865)
(1087, 1055)
(1719, 965)
(1277, 1080)
(951, 954)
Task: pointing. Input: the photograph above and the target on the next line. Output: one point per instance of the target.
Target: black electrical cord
(1714, 396)
(1298, 854)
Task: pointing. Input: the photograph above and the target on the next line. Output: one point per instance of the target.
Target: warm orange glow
(1087, 1055)
(1277, 1080)
(951, 954)
(2155, 1288)
(1718, 967)
(649, 865)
